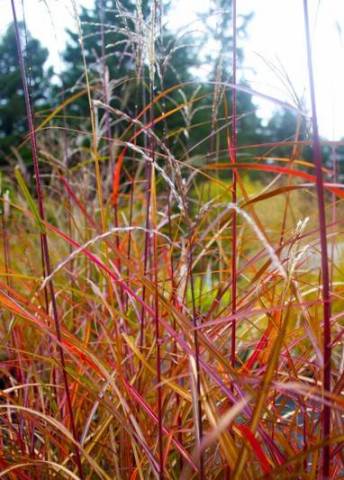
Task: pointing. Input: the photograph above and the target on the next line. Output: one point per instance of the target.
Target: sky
(275, 43)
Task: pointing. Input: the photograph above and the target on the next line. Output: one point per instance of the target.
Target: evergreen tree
(126, 44)
(118, 51)
(13, 125)
(117, 40)
(283, 126)
(286, 126)
(218, 23)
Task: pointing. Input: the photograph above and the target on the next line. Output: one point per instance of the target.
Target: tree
(117, 42)
(218, 23)
(283, 126)
(13, 124)
(286, 126)
(106, 47)
(125, 44)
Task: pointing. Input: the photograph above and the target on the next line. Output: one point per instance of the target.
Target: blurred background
(272, 44)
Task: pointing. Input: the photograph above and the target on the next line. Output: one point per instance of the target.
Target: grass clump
(163, 308)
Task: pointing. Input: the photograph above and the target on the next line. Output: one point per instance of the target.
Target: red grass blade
(43, 236)
(256, 447)
(326, 295)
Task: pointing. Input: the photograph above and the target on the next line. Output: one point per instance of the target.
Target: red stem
(150, 211)
(158, 354)
(234, 185)
(147, 237)
(326, 418)
(175, 343)
(197, 362)
(105, 84)
(43, 236)
(131, 213)
(334, 208)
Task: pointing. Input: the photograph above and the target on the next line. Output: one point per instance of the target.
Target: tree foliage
(125, 44)
(13, 124)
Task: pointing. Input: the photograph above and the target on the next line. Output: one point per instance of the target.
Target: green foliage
(218, 24)
(13, 124)
(117, 45)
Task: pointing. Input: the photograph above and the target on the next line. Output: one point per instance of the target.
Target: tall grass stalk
(326, 296)
(95, 152)
(152, 212)
(233, 149)
(198, 399)
(43, 235)
(158, 338)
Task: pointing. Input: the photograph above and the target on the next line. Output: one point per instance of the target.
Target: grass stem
(326, 417)
(43, 235)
